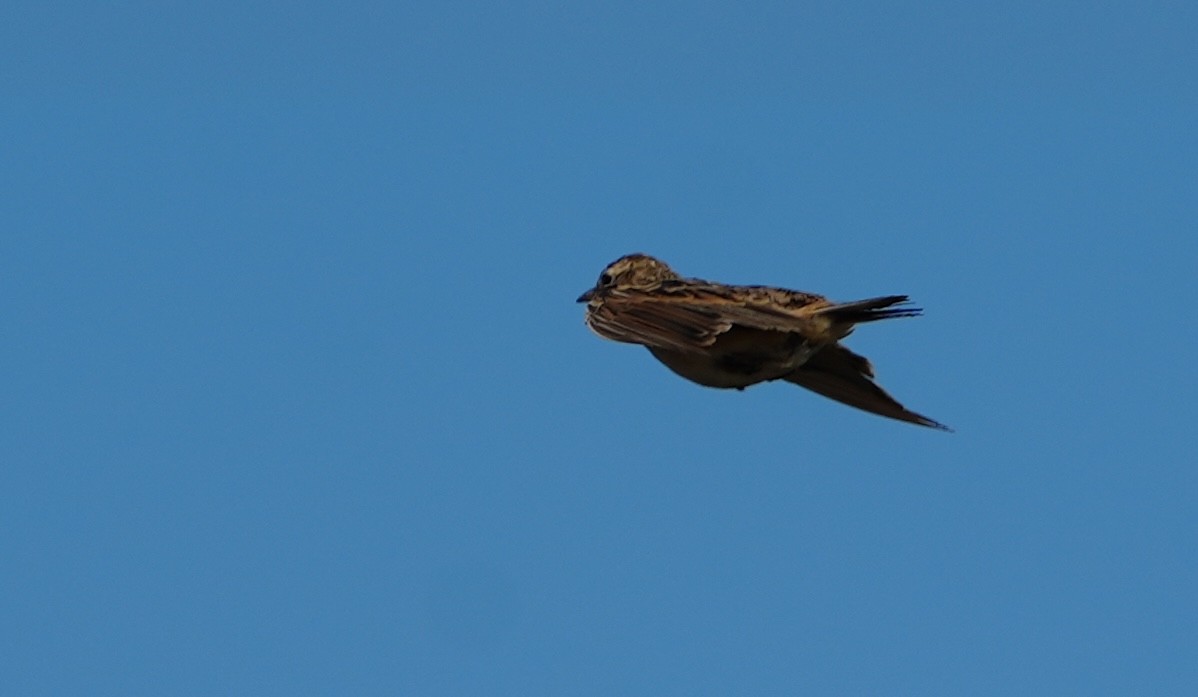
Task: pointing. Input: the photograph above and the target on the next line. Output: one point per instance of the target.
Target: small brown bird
(736, 336)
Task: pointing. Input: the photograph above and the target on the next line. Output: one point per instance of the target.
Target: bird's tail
(870, 310)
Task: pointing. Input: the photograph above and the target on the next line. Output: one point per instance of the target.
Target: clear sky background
(297, 400)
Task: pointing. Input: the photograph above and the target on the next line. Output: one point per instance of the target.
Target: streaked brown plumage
(736, 336)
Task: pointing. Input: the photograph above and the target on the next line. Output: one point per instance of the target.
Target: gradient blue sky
(297, 400)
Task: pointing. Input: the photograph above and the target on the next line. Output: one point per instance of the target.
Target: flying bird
(735, 336)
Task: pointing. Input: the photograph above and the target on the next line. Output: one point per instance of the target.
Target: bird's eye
(605, 279)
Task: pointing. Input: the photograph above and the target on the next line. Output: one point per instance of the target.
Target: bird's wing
(674, 326)
(690, 318)
(838, 373)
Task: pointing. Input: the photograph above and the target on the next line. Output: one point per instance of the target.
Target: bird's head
(631, 272)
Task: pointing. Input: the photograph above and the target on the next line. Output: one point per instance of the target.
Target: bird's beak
(586, 297)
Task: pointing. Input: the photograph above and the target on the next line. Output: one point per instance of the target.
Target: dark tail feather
(838, 373)
(871, 310)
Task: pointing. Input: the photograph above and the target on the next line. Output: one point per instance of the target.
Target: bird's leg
(801, 351)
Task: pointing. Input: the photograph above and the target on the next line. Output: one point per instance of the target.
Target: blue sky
(298, 400)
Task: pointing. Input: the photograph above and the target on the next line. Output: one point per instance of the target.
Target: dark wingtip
(931, 423)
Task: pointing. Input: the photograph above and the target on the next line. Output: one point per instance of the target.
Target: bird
(733, 336)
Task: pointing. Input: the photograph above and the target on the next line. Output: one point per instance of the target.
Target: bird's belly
(704, 370)
(730, 370)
